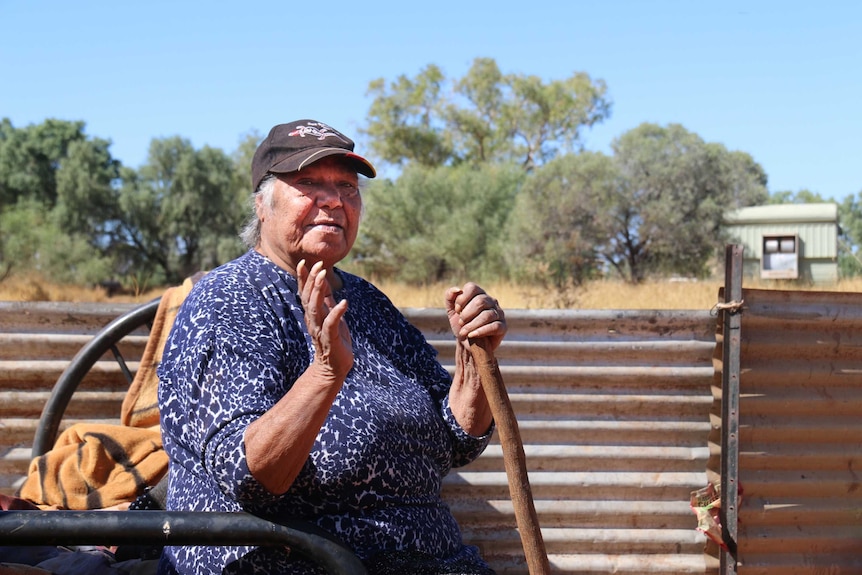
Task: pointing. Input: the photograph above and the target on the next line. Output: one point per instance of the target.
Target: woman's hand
(324, 318)
(278, 443)
(474, 314)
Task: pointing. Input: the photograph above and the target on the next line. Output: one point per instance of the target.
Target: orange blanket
(95, 465)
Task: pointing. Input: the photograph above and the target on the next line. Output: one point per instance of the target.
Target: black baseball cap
(292, 146)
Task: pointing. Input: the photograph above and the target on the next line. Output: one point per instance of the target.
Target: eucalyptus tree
(176, 210)
(33, 157)
(434, 224)
(56, 190)
(484, 117)
(451, 141)
(553, 233)
(667, 215)
(654, 207)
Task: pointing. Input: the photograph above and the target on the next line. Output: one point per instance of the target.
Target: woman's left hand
(475, 314)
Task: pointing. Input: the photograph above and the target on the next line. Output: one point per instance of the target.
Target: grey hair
(250, 234)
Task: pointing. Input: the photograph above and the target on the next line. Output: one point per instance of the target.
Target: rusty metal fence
(788, 430)
(614, 411)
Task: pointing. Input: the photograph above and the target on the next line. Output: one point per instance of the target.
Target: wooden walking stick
(513, 457)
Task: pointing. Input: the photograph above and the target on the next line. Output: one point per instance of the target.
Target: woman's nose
(329, 195)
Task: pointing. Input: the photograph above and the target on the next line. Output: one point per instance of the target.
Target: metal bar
(731, 347)
(121, 361)
(52, 413)
(175, 528)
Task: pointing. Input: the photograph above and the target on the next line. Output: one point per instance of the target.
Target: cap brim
(307, 157)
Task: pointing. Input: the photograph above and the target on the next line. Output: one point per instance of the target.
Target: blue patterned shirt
(374, 475)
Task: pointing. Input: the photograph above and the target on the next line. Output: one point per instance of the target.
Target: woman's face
(314, 215)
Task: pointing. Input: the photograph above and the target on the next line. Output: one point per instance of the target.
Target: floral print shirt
(374, 475)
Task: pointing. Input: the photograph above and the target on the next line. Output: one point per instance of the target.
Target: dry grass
(34, 288)
(596, 295)
(604, 294)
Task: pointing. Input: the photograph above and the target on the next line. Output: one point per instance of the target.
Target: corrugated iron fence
(798, 418)
(613, 409)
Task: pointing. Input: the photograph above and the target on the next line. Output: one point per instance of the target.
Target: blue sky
(780, 80)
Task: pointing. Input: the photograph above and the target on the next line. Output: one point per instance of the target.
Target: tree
(32, 157)
(484, 117)
(86, 191)
(655, 207)
(435, 224)
(241, 159)
(176, 209)
(803, 196)
(552, 233)
(55, 192)
(667, 215)
(31, 240)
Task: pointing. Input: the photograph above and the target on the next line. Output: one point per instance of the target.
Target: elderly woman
(292, 389)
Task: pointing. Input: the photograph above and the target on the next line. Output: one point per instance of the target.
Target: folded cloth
(141, 403)
(94, 465)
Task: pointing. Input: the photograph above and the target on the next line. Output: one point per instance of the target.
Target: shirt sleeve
(231, 367)
(466, 447)
(243, 379)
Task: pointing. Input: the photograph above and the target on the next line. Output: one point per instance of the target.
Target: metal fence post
(732, 318)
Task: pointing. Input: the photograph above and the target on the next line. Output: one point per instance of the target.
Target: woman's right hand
(277, 444)
(324, 318)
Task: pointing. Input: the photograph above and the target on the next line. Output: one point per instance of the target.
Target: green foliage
(492, 182)
(403, 123)
(55, 193)
(798, 197)
(484, 117)
(553, 236)
(436, 223)
(178, 210)
(241, 159)
(70, 210)
(654, 207)
(86, 196)
(667, 215)
(32, 158)
(31, 240)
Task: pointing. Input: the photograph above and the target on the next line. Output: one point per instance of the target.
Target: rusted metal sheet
(58, 317)
(613, 408)
(800, 433)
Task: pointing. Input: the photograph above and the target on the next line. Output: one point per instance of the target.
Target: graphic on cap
(319, 130)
